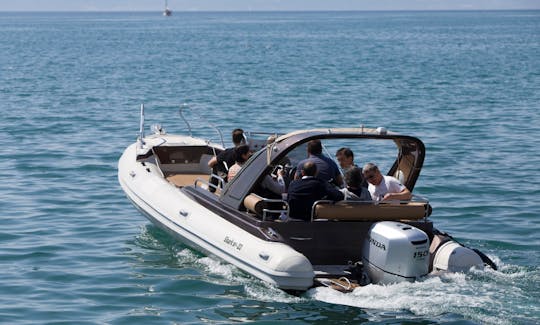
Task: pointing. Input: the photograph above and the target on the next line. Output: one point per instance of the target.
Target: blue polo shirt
(327, 169)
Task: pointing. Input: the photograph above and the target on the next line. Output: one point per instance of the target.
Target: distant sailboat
(167, 11)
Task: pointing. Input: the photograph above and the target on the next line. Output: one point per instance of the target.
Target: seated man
(274, 186)
(328, 170)
(221, 163)
(354, 191)
(345, 158)
(305, 191)
(382, 187)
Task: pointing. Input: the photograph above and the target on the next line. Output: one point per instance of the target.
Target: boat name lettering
(233, 243)
(377, 244)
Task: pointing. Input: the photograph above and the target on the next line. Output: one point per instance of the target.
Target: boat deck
(181, 180)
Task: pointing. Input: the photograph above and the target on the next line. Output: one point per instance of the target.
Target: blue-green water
(73, 249)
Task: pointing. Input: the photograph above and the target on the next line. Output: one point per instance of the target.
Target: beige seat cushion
(257, 204)
(371, 211)
(186, 179)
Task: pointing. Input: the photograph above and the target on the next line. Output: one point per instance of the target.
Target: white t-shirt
(389, 184)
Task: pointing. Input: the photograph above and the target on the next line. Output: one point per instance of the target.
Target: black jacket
(303, 193)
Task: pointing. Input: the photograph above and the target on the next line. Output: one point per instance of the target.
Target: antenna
(182, 107)
(141, 128)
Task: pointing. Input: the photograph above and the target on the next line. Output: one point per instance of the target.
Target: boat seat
(264, 207)
(370, 211)
(181, 180)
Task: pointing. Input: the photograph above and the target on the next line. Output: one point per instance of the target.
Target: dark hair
(314, 147)
(353, 177)
(238, 136)
(347, 152)
(239, 152)
(309, 168)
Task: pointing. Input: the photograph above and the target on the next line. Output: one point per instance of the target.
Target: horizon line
(265, 10)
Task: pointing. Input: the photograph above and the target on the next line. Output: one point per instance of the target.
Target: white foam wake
(489, 297)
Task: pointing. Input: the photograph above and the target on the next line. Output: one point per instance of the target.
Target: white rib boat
(343, 245)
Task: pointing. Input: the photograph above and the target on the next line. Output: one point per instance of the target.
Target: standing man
(382, 187)
(327, 169)
(345, 158)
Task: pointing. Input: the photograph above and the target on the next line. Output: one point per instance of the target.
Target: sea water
(74, 250)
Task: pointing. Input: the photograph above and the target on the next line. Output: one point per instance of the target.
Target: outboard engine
(395, 252)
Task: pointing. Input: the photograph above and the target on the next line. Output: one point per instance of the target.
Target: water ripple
(75, 251)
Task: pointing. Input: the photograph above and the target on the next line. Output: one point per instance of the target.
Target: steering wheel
(275, 171)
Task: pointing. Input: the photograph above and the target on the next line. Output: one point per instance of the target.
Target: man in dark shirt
(221, 163)
(305, 191)
(328, 170)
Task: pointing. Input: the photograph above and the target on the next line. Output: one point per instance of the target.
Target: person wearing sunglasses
(383, 187)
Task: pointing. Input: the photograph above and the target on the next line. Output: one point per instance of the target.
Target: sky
(262, 5)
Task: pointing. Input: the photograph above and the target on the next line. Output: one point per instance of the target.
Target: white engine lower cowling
(395, 252)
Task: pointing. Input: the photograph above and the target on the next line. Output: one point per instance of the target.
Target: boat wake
(226, 274)
(488, 297)
(483, 296)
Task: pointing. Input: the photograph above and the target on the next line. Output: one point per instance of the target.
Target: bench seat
(181, 180)
(346, 210)
(370, 211)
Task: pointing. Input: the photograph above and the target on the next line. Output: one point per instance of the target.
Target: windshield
(382, 152)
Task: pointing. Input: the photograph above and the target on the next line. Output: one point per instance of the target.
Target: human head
(238, 137)
(242, 153)
(372, 174)
(353, 177)
(345, 157)
(314, 147)
(309, 169)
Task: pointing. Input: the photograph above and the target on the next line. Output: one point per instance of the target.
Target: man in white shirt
(382, 187)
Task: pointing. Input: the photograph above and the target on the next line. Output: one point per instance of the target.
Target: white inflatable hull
(170, 209)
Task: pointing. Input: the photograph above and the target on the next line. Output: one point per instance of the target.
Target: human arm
(337, 178)
(332, 193)
(298, 171)
(404, 195)
(212, 162)
(277, 185)
(339, 181)
(218, 161)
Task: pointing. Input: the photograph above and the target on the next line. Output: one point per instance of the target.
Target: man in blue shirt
(328, 170)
